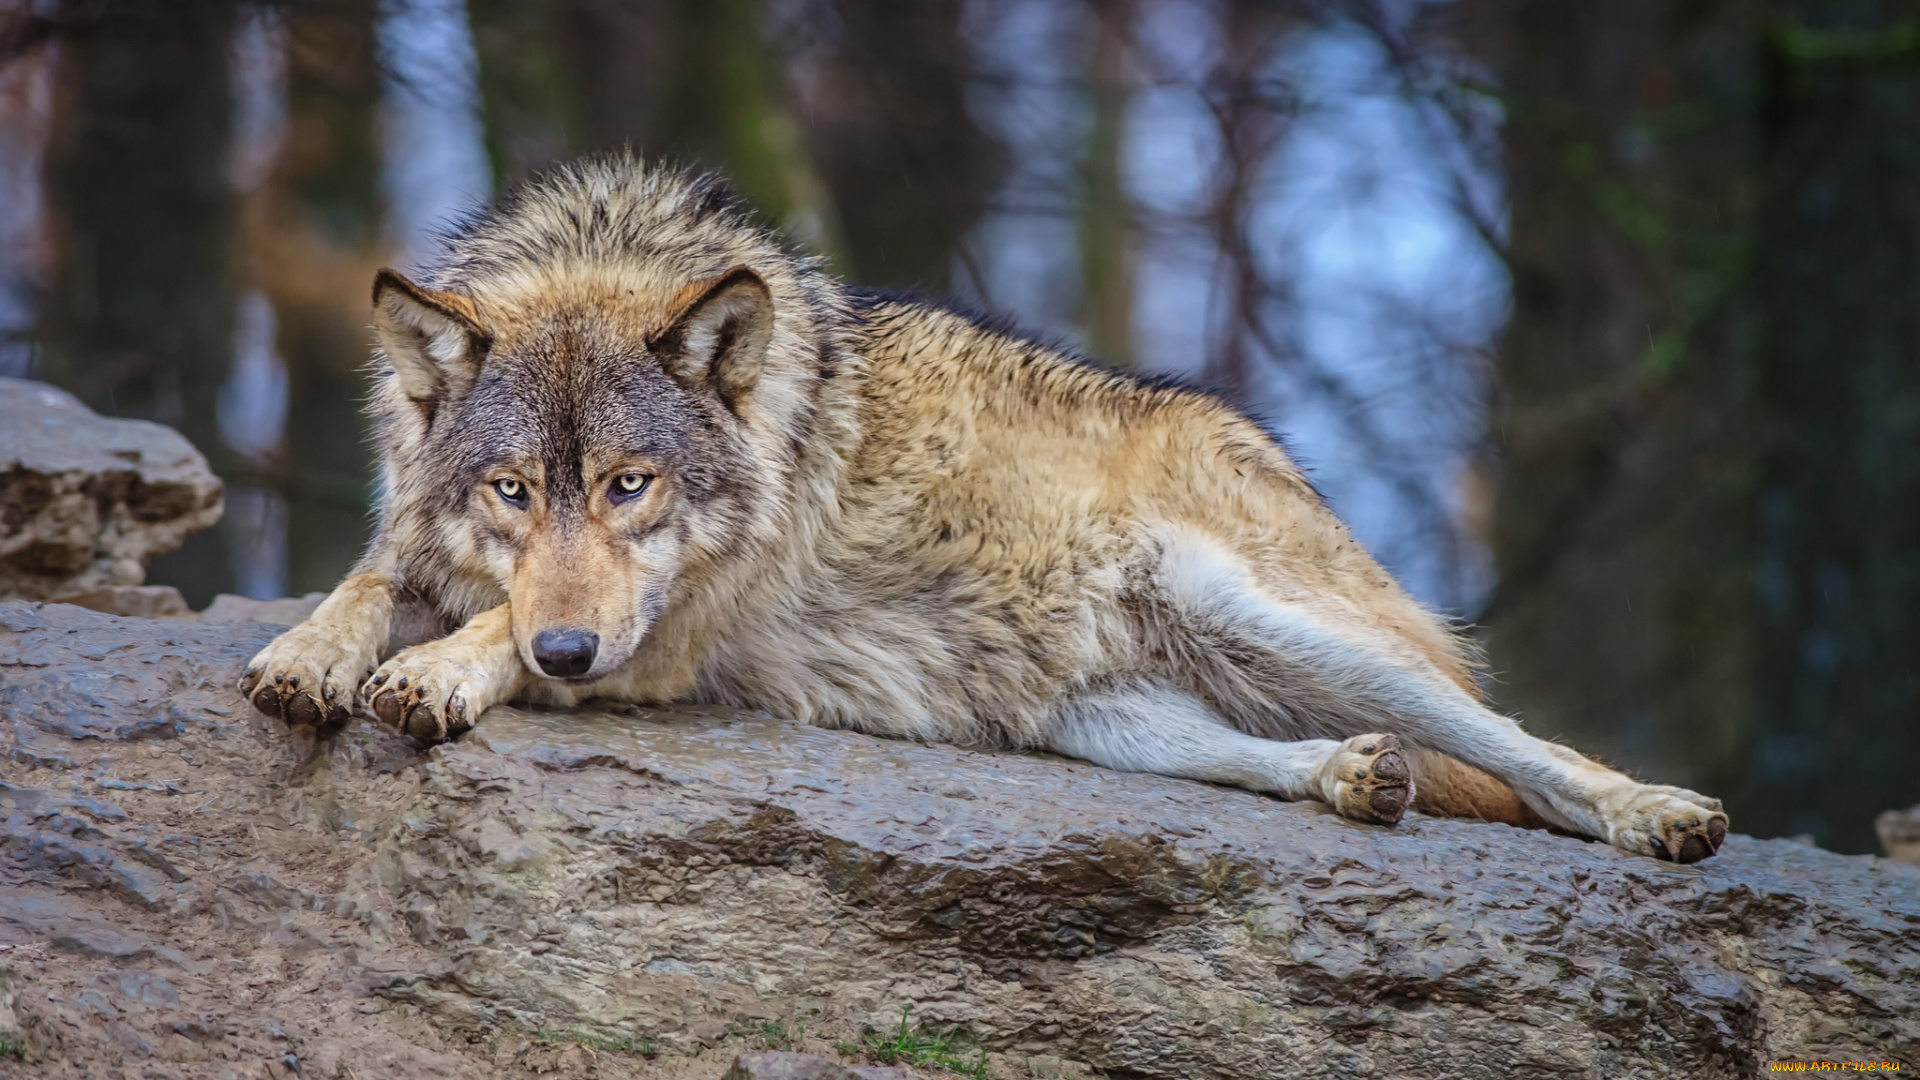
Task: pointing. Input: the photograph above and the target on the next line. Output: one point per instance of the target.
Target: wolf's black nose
(564, 654)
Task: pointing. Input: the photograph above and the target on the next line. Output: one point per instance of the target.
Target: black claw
(302, 709)
(380, 678)
(1388, 803)
(424, 726)
(387, 707)
(1694, 848)
(1660, 849)
(280, 677)
(402, 684)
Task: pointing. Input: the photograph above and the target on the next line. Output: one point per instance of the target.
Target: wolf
(633, 446)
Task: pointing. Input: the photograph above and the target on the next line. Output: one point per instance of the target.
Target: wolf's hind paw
(1670, 823)
(1367, 779)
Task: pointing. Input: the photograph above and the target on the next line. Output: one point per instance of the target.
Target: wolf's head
(586, 450)
(613, 384)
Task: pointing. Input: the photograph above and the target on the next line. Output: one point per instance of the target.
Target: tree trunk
(318, 263)
(1708, 530)
(689, 81)
(1838, 706)
(1106, 214)
(139, 319)
(896, 144)
(529, 92)
(1624, 417)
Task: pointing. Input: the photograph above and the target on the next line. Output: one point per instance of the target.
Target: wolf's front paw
(307, 676)
(1668, 823)
(1367, 779)
(431, 692)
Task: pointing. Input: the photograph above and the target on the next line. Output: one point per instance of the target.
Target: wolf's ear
(433, 339)
(719, 337)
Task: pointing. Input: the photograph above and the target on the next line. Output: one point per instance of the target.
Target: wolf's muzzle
(565, 654)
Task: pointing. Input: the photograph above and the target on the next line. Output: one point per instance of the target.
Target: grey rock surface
(145, 601)
(786, 1065)
(86, 500)
(287, 611)
(165, 602)
(188, 884)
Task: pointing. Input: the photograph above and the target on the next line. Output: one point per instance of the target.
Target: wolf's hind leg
(434, 691)
(308, 675)
(1142, 725)
(1282, 666)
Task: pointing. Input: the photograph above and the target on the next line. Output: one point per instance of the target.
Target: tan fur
(329, 654)
(448, 682)
(887, 516)
(1447, 787)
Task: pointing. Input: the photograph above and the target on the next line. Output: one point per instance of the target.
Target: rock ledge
(690, 877)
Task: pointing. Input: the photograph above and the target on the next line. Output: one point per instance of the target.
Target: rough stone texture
(165, 602)
(187, 885)
(287, 611)
(145, 601)
(86, 501)
(786, 1065)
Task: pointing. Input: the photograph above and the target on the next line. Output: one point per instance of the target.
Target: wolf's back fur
(883, 514)
(999, 530)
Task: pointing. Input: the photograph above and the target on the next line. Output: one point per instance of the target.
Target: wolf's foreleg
(308, 675)
(436, 690)
(1271, 663)
(1141, 725)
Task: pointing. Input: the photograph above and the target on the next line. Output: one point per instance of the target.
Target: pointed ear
(719, 338)
(433, 339)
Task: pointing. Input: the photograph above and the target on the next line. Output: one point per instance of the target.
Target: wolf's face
(578, 451)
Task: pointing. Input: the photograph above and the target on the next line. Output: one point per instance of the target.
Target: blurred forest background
(1599, 321)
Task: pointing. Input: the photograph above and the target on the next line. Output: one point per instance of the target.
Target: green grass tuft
(780, 1036)
(621, 1044)
(909, 1047)
(12, 1048)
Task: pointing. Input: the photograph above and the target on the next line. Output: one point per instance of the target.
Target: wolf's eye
(511, 490)
(629, 486)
